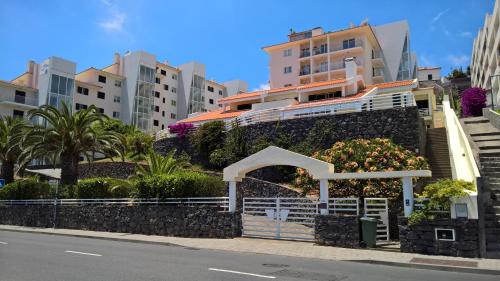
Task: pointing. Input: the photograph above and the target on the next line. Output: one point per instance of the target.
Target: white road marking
(82, 253)
(3, 243)
(242, 273)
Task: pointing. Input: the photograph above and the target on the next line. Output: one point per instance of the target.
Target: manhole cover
(275, 265)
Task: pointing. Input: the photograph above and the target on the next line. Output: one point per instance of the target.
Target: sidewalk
(288, 248)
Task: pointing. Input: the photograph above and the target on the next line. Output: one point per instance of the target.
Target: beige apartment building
(381, 53)
(485, 59)
(136, 88)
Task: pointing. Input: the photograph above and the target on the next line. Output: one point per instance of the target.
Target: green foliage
(235, 148)
(440, 192)
(120, 188)
(364, 155)
(115, 125)
(417, 217)
(93, 188)
(162, 165)
(207, 138)
(319, 137)
(182, 184)
(12, 133)
(138, 145)
(458, 73)
(29, 188)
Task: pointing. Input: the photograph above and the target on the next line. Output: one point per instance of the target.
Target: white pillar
(232, 196)
(323, 196)
(407, 196)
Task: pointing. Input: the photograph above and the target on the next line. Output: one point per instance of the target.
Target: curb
(374, 262)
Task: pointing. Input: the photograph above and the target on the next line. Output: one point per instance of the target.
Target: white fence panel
(378, 208)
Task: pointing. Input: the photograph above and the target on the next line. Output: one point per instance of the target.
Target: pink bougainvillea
(473, 101)
(180, 129)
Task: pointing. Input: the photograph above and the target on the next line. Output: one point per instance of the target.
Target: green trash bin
(369, 231)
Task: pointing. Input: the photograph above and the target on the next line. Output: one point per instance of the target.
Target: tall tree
(65, 136)
(12, 131)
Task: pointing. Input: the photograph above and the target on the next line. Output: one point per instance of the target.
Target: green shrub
(93, 188)
(29, 188)
(182, 184)
(121, 188)
(207, 138)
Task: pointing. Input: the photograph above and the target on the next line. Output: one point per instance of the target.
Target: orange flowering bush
(363, 155)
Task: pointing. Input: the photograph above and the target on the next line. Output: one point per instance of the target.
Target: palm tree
(162, 165)
(66, 136)
(12, 131)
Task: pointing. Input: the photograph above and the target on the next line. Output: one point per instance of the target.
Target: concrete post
(232, 196)
(323, 196)
(407, 196)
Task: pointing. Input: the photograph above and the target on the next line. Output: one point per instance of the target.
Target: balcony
(337, 65)
(318, 50)
(358, 43)
(378, 75)
(377, 59)
(321, 68)
(305, 71)
(20, 100)
(424, 112)
(304, 54)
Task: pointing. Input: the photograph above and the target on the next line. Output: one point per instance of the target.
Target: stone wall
(337, 230)
(167, 220)
(493, 116)
(402, 125)
(117, 170)
(421, 238)
(252, 187)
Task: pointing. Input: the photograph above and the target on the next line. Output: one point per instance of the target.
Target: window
(165, 87)
(429, 76)
(157, 108)
(163, 72)
(172, 116)
(210, 89)
(157, 94)
(174, 76)
(244, 106)
(101, 95)
(163, 113)
(162, 127)
(82, 90)
(287, 69)
(100, 110)
(163, 100)
(347, 44)
(20, 97)
(118, 83)
(116, 114)
(287, 85)
(211, 101)
(157, 80)
(102, 79)
(117, 99)
(220, 92)
(174, 90)
(173, 102)
(79, 106)
(156, 123)
(18, 113)
(287, 52)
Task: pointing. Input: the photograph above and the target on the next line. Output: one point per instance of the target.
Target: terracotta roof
(324, 83)
(330, 101)
(255, 94)
(213, 115)
(393, 84)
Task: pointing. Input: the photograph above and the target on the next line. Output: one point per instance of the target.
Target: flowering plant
(180, 129)
(363, 155)
(473, 101)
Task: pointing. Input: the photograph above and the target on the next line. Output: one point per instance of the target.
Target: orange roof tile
(241, 96)
(393, 84)
(323, 83)
(213, 115)
(330, 101)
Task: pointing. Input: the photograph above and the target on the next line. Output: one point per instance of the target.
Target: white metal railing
(423, 112)
(336, 65)
(340, 46)
(368, 103)
(20, 100)
(343, 206)
(222, 202)
(463, 164)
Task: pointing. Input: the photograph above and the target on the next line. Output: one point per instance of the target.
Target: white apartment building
(429, 73)
(382, 54)
(485, 59)
(136, 88)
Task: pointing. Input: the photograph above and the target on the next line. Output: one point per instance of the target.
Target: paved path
(35, 256)
(278, 247)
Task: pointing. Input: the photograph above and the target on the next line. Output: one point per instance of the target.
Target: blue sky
(225, 35)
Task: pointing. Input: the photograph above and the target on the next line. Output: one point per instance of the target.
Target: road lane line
(242, 273)
(82, 253)
(3, 243)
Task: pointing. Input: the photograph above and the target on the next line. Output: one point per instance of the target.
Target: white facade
(429, 73)
(136, 89)
(382, 54)
(485, 59)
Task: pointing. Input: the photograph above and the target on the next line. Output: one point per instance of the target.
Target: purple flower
(180, 129)
(473, 101)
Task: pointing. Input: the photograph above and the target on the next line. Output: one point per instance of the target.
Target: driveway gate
(289, 218)
(378, 208)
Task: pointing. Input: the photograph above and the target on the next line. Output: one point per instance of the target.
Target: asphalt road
(25, 256)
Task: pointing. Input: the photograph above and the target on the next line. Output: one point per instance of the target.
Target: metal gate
(378, 208)
(289, 218)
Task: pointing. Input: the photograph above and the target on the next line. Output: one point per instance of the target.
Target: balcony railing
(336, 65)
(318, 51)
(341, 46)
(304, 72)
(424, 112)
(323, 68)
(19, 100)
(304, 54)
(370, 103)
(378, 72)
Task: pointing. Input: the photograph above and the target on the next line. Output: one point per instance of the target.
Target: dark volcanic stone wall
(420, 238)
(399, 124)
(337, 230)
(117, 170)
(183, 221)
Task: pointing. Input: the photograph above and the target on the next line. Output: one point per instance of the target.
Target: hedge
(29, 188)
